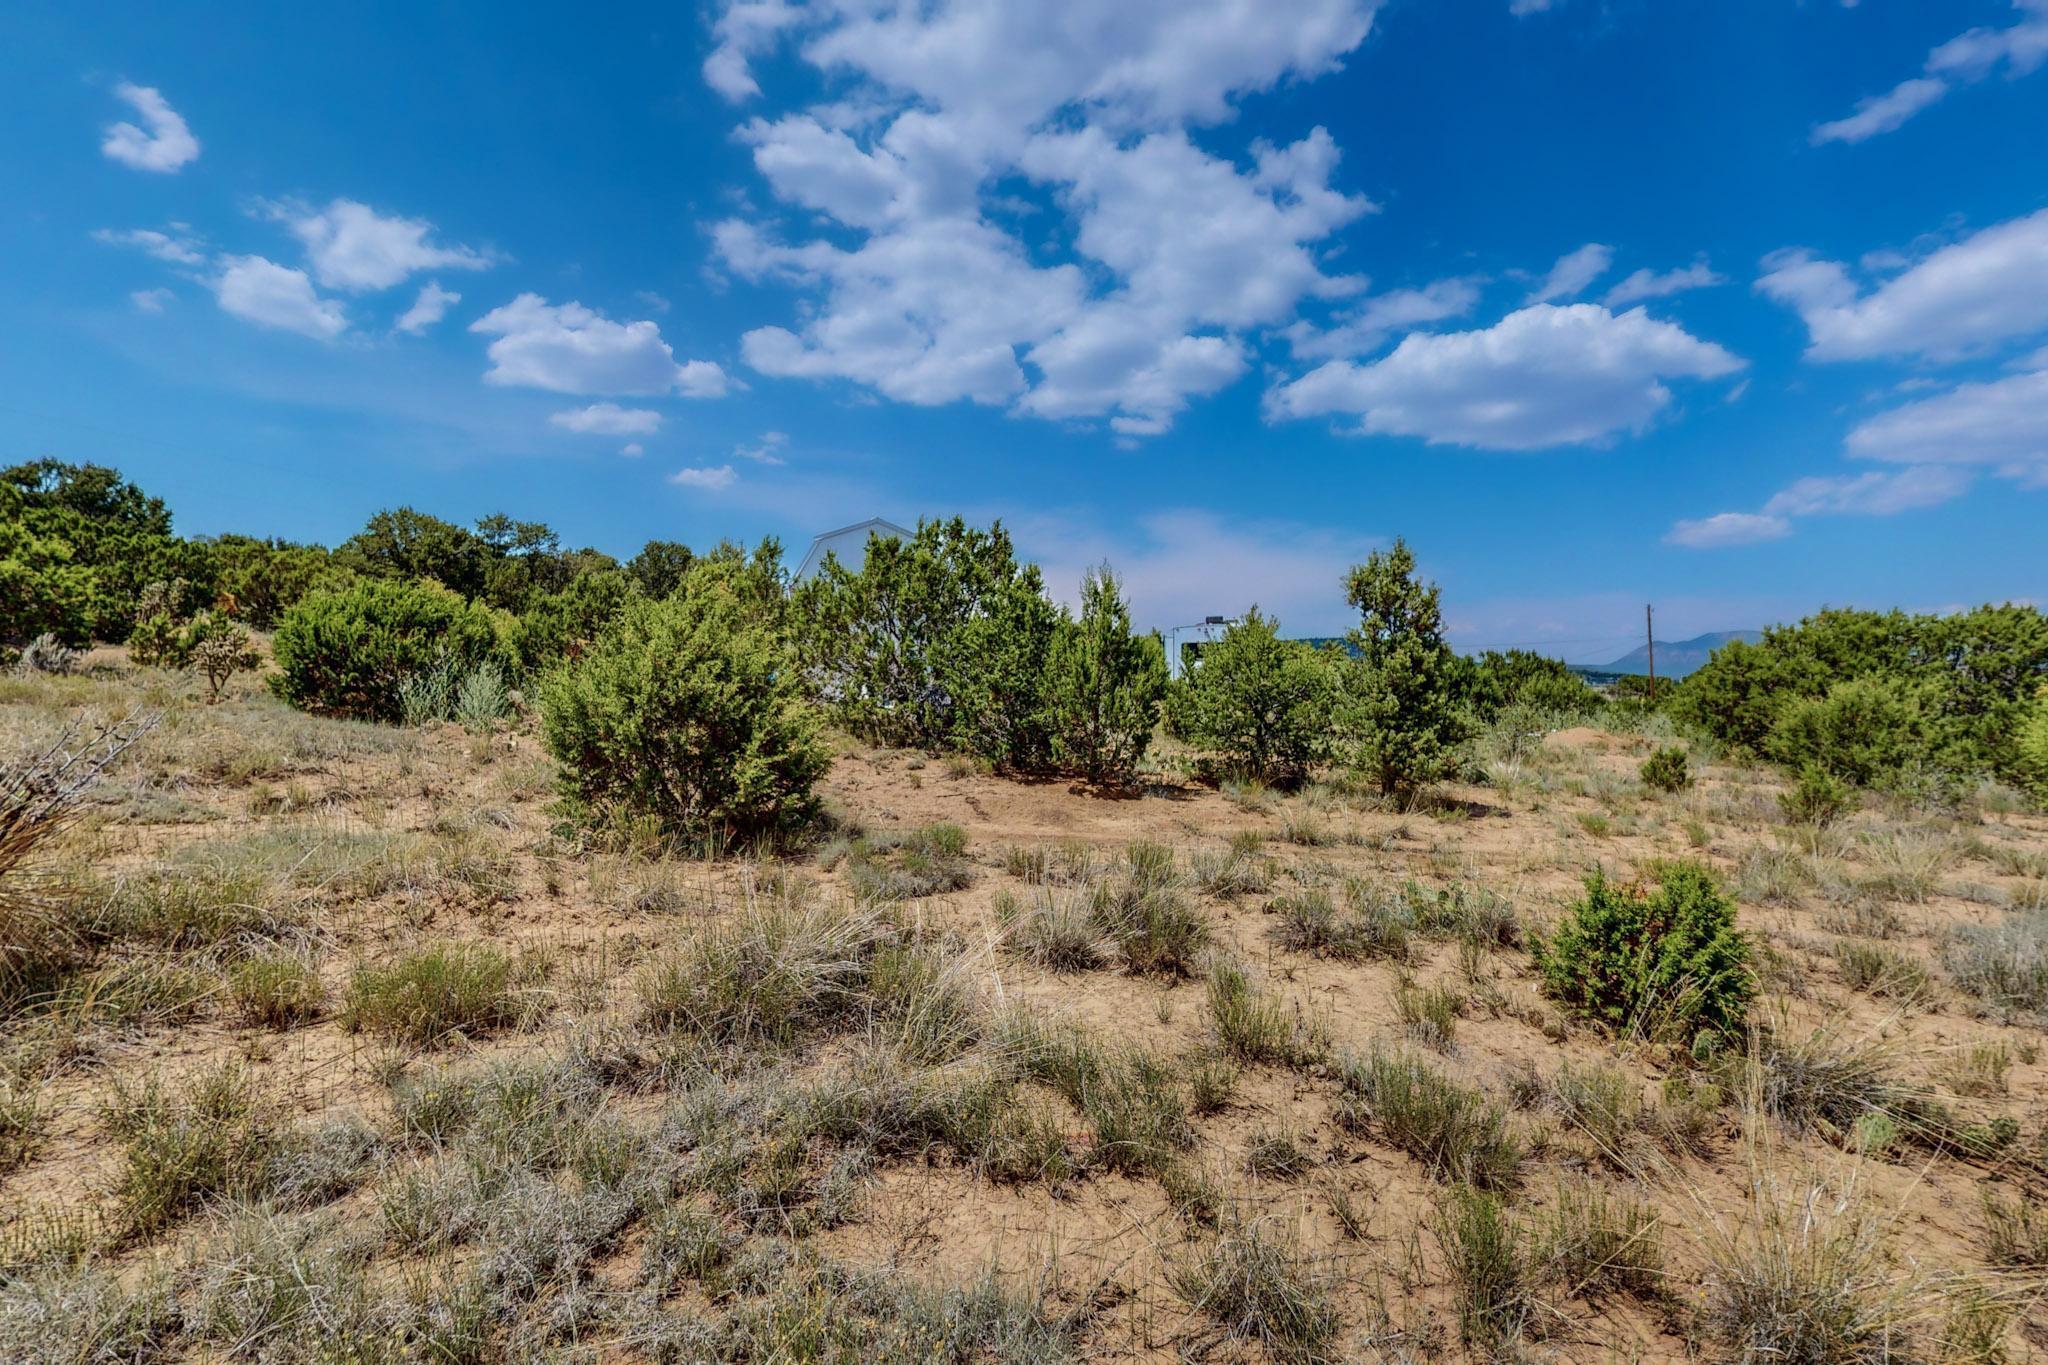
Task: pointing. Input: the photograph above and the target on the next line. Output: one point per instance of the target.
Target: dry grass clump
(1806, 1274)
(276, 990)
(1257, 1285)
(1057, 930)
(436, 994)
(1258, 1026)
(211, 1138)
(771, 972)
(899, 865)
(1369, 925)
(1458, 1133)
(41, 794)
(2004, 965)
(1881, 971)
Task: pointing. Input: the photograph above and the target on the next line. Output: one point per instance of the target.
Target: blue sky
(1737, 306)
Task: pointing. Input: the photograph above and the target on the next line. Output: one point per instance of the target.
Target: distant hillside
(1675, 658)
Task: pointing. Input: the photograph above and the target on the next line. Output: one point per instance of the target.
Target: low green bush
(1666, 771)
(1816, 798)
(1668, 964)
(350, 651)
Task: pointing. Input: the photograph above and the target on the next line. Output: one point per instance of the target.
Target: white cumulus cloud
(1574, 271)
(273, 295)
(1724, 529)
(429, 308)
(351, 246)
(1652, 284)
(1988, 288)
(2000, 425)
(162, 144)
(710, 478)
(172, 248)
(568, 348)
(1547, 375)
(2018, 48)
(929, 296)
(609, 419)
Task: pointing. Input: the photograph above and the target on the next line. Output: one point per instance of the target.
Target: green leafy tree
(1737, 694)
(1103, 685)
(992, 670)
(659, 567)
(42, 590)
(347, 652)
(1259, 702)
(1401, 709)
(687, 710)
(117, 535)
(2032, 746)
(1499, 679)
(1665, 964)
(256, 581)
(882, 645)
(410, 545)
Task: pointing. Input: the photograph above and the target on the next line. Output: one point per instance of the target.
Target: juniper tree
(1103, 685)
(1400, 713)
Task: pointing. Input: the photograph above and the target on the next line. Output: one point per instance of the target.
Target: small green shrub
(1816, 798)
(688, 711)
(1668, 963)
(1666, 771)
(1258, 702)
(348, 652)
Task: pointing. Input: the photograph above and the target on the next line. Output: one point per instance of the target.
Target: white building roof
(849, 544)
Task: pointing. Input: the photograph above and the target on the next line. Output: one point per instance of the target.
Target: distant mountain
(1675, 658)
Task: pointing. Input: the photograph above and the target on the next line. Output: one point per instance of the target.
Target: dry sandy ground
(216, 777)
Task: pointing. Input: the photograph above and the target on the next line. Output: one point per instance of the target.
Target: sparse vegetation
(328, 1038)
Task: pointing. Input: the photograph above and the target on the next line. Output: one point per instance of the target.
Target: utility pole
(1650, 638)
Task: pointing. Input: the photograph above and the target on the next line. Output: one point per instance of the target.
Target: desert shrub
(1666, 771)
(47, 654)
(347, 652)
(1260, 703)
(1879, 970)
(2031, 744)
(1865, 731)
(434, 994)
(1668, 963)
(1816, 797)
(560, 625)
(219, 649)
(1399, 704)
(687, 712)
(1262, 1289)
(1103, 685)
(2015, 1232)
(1457, 1132)
(939, 641)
